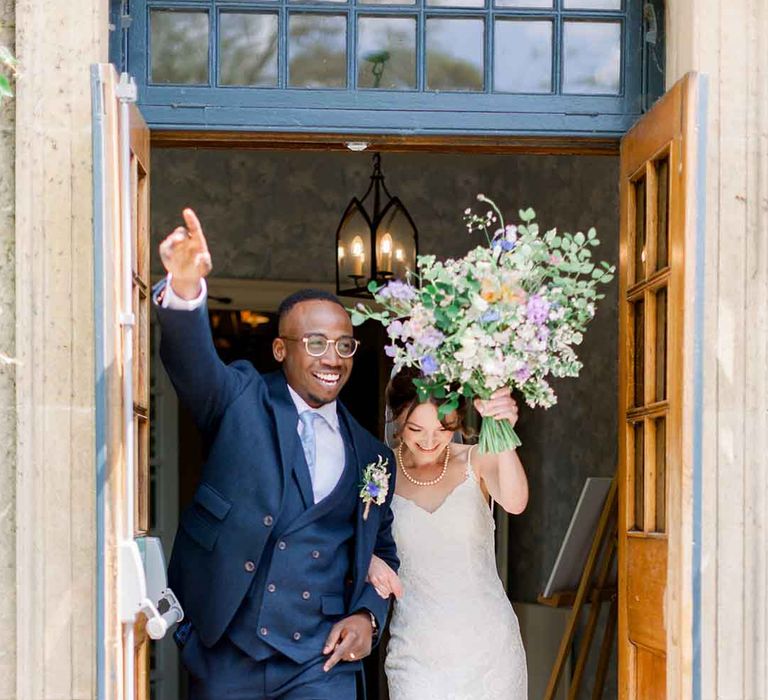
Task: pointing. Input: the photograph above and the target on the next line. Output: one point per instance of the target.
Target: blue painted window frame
(377, 111)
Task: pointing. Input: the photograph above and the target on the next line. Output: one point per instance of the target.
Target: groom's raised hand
(185, 255)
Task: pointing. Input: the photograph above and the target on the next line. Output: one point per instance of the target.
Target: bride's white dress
(454, 635)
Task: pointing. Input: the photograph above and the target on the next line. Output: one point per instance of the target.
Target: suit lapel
(287, 421)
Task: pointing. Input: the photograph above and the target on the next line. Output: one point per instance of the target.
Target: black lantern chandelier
(375, 247)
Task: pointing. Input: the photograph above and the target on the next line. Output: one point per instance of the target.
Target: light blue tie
(307, 419)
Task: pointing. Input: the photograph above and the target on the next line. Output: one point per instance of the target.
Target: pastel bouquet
(507, 314)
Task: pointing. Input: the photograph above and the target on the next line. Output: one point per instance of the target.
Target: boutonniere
(375, 484)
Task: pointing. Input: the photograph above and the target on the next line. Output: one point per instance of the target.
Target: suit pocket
(200, 530)
(209, 498)
(333, 605)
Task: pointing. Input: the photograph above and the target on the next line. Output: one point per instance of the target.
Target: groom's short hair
(308, 294)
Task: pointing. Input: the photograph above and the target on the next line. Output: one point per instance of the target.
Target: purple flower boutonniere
(375, 484)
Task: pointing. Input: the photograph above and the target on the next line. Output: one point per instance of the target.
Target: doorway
(297, 197)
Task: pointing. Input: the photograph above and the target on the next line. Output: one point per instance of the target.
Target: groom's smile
(317, 379)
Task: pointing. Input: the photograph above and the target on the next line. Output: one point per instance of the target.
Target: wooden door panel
(651, 675)
(646, 559)
(654, 184)
(123, 324)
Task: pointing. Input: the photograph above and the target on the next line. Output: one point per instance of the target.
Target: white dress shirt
(329, 446)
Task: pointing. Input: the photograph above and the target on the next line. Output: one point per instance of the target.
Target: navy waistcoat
(299, 592)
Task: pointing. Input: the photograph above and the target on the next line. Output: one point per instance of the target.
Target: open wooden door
(122, 297)
(657, 164)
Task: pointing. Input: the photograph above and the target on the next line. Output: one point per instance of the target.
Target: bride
(454, 635)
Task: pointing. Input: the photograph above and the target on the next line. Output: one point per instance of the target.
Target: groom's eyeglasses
(317, 344)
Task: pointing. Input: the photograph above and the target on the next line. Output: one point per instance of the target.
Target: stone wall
(727, 40)
(7, 378)
(55, 480)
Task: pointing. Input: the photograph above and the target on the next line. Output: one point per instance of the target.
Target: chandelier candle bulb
(386, 253)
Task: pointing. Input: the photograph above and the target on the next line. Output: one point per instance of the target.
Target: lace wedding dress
(454, 635)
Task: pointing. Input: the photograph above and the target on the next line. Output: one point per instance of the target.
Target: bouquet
(507, 314)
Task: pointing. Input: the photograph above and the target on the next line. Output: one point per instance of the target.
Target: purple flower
(398, 290)
(431, 338)
(373, 489)
(537, 309)
(390, 350)
(429, 365)
(523, 374)
(395, 329)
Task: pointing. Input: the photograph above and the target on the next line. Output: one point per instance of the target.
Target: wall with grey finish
(273, 215)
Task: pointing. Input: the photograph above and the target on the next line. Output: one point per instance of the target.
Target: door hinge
(126, 89)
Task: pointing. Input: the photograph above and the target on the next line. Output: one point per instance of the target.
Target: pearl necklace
(431, 482)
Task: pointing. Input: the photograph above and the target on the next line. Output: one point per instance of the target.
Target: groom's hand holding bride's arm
(502, 473)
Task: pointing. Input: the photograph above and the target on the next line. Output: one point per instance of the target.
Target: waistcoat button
(271, 588)
(249, 566)
(281, 544)
(315, 554)
(264, 631)
(297, 636)
(268, 520)
(306, 595)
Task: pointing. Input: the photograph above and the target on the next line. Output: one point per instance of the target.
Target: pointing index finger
(192, 222)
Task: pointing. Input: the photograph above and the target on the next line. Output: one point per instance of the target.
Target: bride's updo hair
(402, 399)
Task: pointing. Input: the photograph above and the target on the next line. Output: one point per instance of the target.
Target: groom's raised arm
(203, 382)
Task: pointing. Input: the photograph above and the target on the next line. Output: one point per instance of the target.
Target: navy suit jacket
(249, 425)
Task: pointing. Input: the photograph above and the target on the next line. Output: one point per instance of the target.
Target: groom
(270, 559)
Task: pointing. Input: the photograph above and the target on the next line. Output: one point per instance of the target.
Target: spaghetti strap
(470, 470)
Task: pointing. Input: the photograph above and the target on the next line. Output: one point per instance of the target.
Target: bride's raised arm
(502, 473)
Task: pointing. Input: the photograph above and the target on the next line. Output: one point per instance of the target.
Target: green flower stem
(497, 436)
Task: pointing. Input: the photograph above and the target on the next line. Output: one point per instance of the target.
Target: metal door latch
(144, 588)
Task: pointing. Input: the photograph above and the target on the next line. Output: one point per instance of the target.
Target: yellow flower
(489, 291)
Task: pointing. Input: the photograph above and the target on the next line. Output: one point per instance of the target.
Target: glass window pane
(456, 3)
(522, 56)
(592, 57)
(661, 345)
(247, 49)
(317, 51)
(639, 249)
(662, 204)
(639, 474)
(386, 52)
(592, 4)
(523, 3)
(660, 431)
(455, 54)
(179, 47)
(638, 354)
(661, 474)
(386, 2)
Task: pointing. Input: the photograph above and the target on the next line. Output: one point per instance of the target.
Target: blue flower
(373, 489)
(429, 364)
(490, 316)
(504, 244)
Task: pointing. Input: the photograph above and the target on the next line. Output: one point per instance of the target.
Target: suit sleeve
(203, 382)
(385, 549)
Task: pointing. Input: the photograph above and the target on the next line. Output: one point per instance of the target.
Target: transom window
(416, 60)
